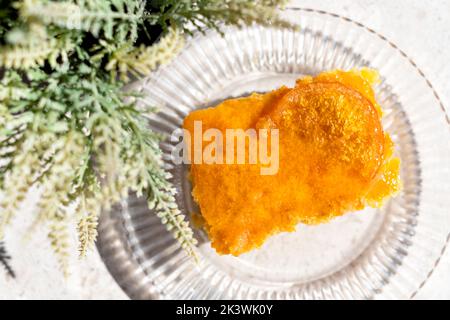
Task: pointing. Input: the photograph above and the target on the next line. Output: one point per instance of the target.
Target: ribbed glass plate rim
(122, 258)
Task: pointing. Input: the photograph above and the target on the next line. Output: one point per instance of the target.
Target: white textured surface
(420, 28)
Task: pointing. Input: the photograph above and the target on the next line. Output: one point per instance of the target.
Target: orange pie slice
(333, 158)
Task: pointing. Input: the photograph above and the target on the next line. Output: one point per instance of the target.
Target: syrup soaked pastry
(334, 158)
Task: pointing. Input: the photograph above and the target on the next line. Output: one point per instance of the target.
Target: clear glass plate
(378, 253)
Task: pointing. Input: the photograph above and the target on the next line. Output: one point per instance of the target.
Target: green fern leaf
(93, 16)
(59, 241)
(143, 60)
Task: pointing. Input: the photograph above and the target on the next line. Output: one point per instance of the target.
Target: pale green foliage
(142, 60)
(95, 147)
(66, 126)
(204, 14)
(87, 230)
(32, 46)
(19, 174)
(95, 16)
(59, 240)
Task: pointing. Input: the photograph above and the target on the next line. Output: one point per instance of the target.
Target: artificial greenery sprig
(5, 259)
(203, 14)
(66, 125)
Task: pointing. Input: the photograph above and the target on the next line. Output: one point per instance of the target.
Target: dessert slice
(333, 157)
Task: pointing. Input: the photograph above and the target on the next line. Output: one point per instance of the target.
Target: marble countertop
(420, 28)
